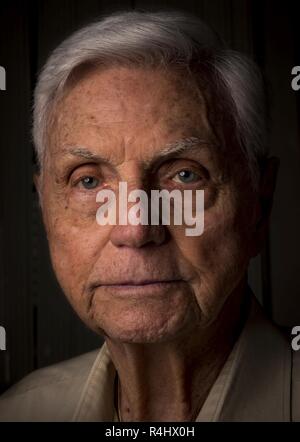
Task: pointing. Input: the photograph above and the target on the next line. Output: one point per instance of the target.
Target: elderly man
(156, 101)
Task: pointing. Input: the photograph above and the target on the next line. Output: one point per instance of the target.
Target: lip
(142, 282)
(142, 288)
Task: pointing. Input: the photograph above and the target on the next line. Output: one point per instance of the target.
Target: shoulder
(62, 372)
(50, 393)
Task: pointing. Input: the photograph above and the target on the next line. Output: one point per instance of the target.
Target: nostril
(137, 236)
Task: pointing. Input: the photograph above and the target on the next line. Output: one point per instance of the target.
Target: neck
(170, 381)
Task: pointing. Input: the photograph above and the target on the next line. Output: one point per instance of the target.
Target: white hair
(175, 39)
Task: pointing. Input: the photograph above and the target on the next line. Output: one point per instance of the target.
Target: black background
(41, 327)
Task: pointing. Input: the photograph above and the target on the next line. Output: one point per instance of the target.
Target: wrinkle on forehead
(139, 105)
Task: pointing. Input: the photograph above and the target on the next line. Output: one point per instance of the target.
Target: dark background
(41, 327)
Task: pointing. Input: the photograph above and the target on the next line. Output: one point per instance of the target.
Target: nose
(137, 235)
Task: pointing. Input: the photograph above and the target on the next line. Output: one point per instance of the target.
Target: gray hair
(175, 39)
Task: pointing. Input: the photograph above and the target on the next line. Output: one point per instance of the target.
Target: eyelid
(167, 172)
(78, 181)
(197, 169)
(196, 173)
(84, 170)
(73, 168)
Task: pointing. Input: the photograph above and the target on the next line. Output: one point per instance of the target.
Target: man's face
(142, 283)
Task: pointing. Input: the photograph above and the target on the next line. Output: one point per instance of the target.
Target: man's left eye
(186, 176)
(89, 182)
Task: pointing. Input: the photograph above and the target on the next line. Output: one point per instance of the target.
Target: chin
(142, 317)
(146, 335)
(143, 326)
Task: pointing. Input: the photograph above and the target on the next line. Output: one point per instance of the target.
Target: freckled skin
(169, 346)
(128, 115)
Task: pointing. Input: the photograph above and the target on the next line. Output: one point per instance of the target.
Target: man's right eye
(89, 182)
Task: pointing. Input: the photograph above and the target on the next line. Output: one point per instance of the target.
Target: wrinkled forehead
(134, 110)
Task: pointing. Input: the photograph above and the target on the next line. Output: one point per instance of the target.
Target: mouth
(142, 288)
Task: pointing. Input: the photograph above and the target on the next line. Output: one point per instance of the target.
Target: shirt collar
(254, 383)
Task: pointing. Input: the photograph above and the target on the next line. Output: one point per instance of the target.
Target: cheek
(219, 258)
(75, 242)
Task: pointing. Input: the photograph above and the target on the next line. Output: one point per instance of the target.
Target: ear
(265, 195)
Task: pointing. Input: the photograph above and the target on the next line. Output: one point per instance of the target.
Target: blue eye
(89, 182)
(186, 176)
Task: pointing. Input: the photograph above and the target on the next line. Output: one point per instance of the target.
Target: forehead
(130, 111)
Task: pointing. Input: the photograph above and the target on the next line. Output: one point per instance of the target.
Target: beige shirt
(260, 381)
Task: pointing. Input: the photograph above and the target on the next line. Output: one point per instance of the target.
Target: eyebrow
(182, 145)
(171, 149)
(83, 152)
(189, 144)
